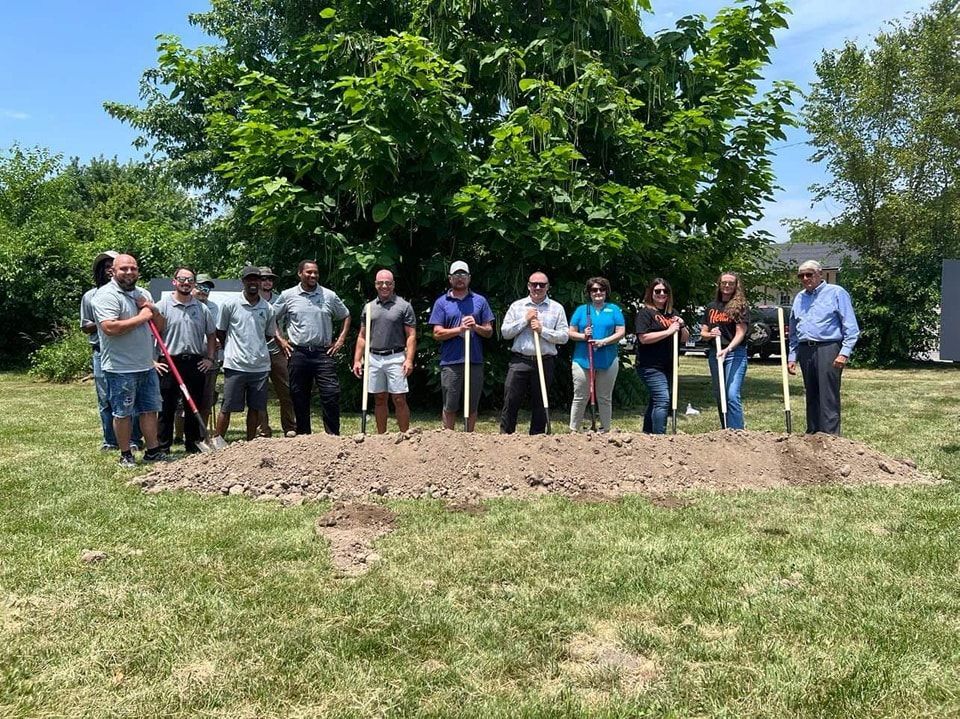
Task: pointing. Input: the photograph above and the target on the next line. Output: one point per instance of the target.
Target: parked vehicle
(763, 333)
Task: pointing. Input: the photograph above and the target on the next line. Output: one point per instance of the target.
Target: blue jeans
(103, 404)
(658, 408)
(133, 393)
(734, 370)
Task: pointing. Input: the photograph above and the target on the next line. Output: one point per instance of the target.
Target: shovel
(206, 444)
(543, 380)
(466, 380)
(366, 370)
(676, 371)
(783, 371)
(592, 375)
(721, 380)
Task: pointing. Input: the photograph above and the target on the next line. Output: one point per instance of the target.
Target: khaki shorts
(386, 373)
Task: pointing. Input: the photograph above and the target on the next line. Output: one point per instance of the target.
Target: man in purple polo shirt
(455, 312)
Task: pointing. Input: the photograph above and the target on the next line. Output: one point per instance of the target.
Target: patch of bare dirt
(467, 468)
(351, 530)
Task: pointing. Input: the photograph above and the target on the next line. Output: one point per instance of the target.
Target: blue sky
(61, 59)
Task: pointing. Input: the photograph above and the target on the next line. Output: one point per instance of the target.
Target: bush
(64, 359)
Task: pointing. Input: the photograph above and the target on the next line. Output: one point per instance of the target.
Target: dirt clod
(351, 530)
(92, 556)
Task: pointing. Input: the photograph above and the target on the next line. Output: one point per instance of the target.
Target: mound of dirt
(466, 468)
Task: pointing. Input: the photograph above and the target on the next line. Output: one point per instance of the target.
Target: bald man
(393, 344)
(122, 312)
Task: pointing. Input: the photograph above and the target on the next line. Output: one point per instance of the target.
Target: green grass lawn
(826, 602)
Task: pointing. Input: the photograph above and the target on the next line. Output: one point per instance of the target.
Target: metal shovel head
(216, 443)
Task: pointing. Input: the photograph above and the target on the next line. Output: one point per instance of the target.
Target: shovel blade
(203, 447)
(217, 443)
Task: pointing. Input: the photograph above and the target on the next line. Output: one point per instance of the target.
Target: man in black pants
(534, 314)
(309, 311)
(823, 331)
(191, 338)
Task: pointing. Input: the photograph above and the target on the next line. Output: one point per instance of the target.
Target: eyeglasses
(460, 273)
(805, 275)
(597, 289)
(185, 280)
(660, 292)
(537, 285)
(384, 283)
(204, 289)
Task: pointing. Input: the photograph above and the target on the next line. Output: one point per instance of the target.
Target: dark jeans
(523, 380)
(658, 408)
(821, 384)
(304, 366)
(195, 379)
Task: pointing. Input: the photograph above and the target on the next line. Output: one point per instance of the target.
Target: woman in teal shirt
(600, 323)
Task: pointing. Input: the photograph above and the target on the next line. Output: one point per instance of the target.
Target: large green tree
(885, 120)
(516, 135)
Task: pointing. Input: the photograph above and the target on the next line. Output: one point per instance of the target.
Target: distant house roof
(830, 256)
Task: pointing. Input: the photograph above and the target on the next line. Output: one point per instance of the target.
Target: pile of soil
(464, 467)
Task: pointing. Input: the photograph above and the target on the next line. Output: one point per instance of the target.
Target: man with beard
(201, 292)
(393, 344)
(122, 311)
(190, 336)
(245, 324)
(454, 313)
(308, 311)
(532, 315)
(279, 366)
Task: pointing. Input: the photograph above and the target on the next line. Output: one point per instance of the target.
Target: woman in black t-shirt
(656, 324)
(726, 318)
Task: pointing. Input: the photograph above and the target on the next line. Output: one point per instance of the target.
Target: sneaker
(127, 461)
(154, 455)
(106, 447)
(290, 434)
(134, 446)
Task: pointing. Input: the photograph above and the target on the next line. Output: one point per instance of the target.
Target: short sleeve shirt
(605, 322)
(188, 324)
(309, 316)
(387, 323)
(448, 312)
(246, 325)
(716, 315)
(659, 354)
(133, 350)
(86, 315)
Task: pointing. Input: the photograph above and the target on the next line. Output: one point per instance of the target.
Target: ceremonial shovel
(783, 371)
(543, 380)
(466, 380)
(366, 371)
(676, 371)
(721, 380)
(592, 377)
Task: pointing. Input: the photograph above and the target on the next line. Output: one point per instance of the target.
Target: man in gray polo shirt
(244, 325)
(191, 339)
(279, 371)
(393, 344)
(122, 312)
(308, 312)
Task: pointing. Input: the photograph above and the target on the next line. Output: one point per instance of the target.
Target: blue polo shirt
(448, 312)
(605, 323)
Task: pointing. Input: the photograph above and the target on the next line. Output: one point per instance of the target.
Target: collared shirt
(448, 312)
(824, 314)
(604, 322)
(188, 324)
(552, 318)
(274, 301)
(309, 316)
(247, 326)
(133, 350)
(387, 322)
(87, 317)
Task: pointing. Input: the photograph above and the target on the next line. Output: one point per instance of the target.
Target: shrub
(64, 359)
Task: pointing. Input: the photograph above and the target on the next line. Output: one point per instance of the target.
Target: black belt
(311, 348)
(384, 353)
(818, 343)
(187, 356)
(531, 358)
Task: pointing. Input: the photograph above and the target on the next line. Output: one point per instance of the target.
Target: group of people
(290, 340)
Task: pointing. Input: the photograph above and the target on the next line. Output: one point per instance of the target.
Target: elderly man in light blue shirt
(823, 332)
(535, 313)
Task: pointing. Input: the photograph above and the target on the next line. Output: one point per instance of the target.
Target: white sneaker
(691, 410)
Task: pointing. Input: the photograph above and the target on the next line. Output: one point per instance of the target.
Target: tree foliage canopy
(515, 135)
(886, 122)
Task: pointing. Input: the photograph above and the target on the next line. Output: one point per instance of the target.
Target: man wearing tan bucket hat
(279, 371)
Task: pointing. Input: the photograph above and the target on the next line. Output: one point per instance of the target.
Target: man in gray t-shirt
(393, 344)
(122, 312)
(244, 325)
(307, 311)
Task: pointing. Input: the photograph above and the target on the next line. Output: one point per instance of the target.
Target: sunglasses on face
(597, 289)
(537, 285)
(185, 280)
(460, 274)
(204, 290)
(660, 292)
(383, 283)
(805, 275)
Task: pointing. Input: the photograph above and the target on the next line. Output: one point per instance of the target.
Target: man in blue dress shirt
(823, 331)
